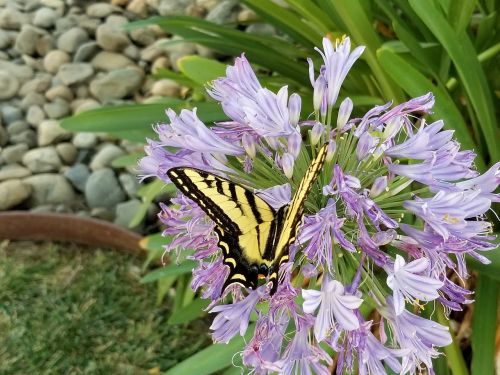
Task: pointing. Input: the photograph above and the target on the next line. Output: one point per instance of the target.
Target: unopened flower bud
(294, 142)
(345, 110)
(379, 186)
(365, 144)
(287, 162)
(319, 93)
(316, 133)
(249, 144)
(332, 146)
(294, 105)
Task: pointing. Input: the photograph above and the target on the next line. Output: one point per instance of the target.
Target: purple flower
(212, 276)
(276, 196)
(302, 357)
(419, 336)
(487, 183)
(336, 308)
(345, 110)
(337, 60)
(234, 318)
(447, 212)
(320, 232)
(407, 282)
(188, 132)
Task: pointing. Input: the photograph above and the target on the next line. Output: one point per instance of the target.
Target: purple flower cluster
(353, 254)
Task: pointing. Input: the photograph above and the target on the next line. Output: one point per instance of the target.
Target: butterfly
(253, 236)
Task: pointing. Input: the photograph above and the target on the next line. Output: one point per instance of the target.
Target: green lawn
(68, 310)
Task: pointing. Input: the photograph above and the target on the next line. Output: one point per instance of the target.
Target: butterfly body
(253, 236)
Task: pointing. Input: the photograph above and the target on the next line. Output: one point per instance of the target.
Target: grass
(79, 311)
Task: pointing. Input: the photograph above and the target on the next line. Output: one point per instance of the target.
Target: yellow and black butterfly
(253, 237)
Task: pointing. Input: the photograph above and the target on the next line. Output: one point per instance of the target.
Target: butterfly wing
(244, 222)
(292, 215)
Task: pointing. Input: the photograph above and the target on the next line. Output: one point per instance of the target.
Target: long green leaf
(134, 121)
(484, 323)
(212, 359)
(464, 57)
(170, 270)
(415, 84)
(453, 353)
(200, 69)
(190, 312)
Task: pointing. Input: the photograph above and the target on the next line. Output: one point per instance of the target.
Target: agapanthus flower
(352, 254)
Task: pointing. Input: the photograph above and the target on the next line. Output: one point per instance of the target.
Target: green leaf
(491, 270)
(200, 69)
(415, 84)
(453, 353)
(212, 359)
(148, 193)
(464, 57)
(170, 270)
(134, 121)
(154, 242)
(127, 160)
(190, 312)
(484, 323)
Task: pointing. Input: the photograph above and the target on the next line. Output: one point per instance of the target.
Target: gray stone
(126, 211)
(111, 38)
(54, 59)
(102, 213)
(71, 73)
(85, 105)
(64, 24)
(40, 83)
(27, 137)
(103, 190)
(49, 188)
(101, 10)
(165, 87)
(78, 176)
(143, 36)
(45, 17)
(9, 85)
(117, 21)
(86, 51)
(12, 193)
(129, 183)
(223, 12)
(17, 127)
(50, 132)
(67, 152)
(4, 137)
(72, 39)
(45, 44)
(26, 40)
(116, 84)
(32, 98)
(13, 171)
(5, 39)
(12, 19)
(105, 156)
(21, 72)
(35, 115)
(132, 52)
(85, 140)
(14, 154)
(11, 113)
(173, 7)
(106, 60)
(60, 91)
(57, 109)
(40, 160)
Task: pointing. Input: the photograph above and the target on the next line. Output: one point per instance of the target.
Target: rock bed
(59, 58)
